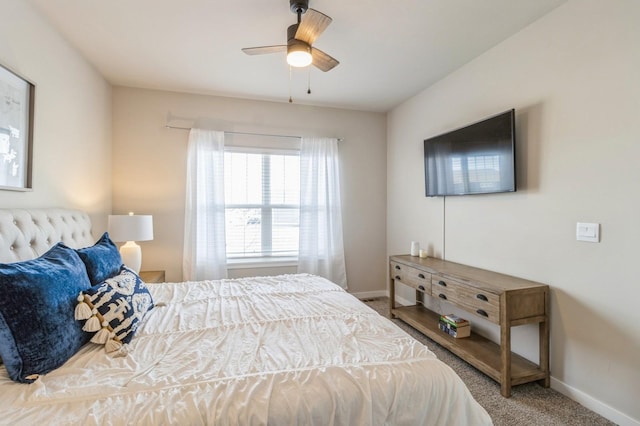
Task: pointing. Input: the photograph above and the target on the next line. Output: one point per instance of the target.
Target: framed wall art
(16, 131)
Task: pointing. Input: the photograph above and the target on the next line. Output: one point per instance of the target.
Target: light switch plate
(588, 232)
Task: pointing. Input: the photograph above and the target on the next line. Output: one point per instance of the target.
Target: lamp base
(131, 256)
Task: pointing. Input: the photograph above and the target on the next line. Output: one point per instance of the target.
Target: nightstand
(152, 276)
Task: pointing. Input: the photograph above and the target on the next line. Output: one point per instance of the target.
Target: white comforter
(287, 350)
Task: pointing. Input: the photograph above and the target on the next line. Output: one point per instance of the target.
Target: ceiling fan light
(299, 55)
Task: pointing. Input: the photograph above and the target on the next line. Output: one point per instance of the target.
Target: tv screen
(475, 159)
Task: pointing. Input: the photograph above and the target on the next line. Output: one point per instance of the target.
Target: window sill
(261, 262)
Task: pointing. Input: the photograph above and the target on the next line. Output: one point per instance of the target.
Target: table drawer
(413, 277)
(481, 303)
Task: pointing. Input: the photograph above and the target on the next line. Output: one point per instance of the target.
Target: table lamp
(129, 229)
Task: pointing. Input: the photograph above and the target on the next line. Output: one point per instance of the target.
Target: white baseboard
(593, 404)
(370, 294)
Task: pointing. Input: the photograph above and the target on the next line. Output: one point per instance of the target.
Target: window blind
(262, 203)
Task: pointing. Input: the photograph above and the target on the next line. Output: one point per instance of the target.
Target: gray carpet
(530, 404)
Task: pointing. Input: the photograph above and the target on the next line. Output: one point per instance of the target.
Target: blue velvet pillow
(115, 308)
(38, 332)
(101, 259)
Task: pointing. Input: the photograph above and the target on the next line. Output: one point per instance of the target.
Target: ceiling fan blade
(312, 25)
(322, 61)
(261, 50)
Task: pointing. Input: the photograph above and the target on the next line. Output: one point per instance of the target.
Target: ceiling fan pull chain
(290, 71)
(309, 81)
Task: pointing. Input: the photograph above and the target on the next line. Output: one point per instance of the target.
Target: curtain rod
(244, 133)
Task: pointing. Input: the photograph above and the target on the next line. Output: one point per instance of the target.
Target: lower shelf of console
(478, 351)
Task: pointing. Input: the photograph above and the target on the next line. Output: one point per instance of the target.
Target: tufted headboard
(27, 233)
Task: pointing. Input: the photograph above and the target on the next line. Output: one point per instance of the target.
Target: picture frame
(16, 131)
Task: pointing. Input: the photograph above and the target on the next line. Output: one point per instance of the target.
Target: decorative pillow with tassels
(114, 309)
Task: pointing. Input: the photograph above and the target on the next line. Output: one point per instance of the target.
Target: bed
(282, 350)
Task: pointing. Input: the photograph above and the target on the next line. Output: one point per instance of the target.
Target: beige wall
(149, 169)
(72, 129)
(573, 79)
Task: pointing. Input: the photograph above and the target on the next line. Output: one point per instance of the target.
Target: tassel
(93, 323)
(123, 351)
(112, 344)
(102, 335)
(83, 310)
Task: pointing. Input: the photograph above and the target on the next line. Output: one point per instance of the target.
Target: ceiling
(388, 50)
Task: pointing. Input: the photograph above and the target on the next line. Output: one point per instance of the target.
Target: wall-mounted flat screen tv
(476, 159)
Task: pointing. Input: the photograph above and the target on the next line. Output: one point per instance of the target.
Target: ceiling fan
(300, 38)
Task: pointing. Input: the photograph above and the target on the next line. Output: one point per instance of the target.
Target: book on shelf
(453, 331)
(454, 320)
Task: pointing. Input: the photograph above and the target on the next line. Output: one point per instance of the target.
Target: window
(262, 203)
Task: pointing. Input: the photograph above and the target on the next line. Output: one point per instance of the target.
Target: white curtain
(321, 250)
(204, 255)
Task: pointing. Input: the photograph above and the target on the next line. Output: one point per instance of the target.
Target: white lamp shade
(130, 227)
(298, 53)
(299, 59)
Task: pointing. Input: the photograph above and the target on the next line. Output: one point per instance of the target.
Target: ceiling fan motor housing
(299, 6)
(291, 32)
(293, 41)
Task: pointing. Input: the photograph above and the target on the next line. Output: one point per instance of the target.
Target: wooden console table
(501, 299)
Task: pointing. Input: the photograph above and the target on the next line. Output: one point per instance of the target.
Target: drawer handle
(442, 283)
(482, 312)
(421, 276)
(397, 266)
(421, 287)
(397, 277)
(482, 297)
(442, 296)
